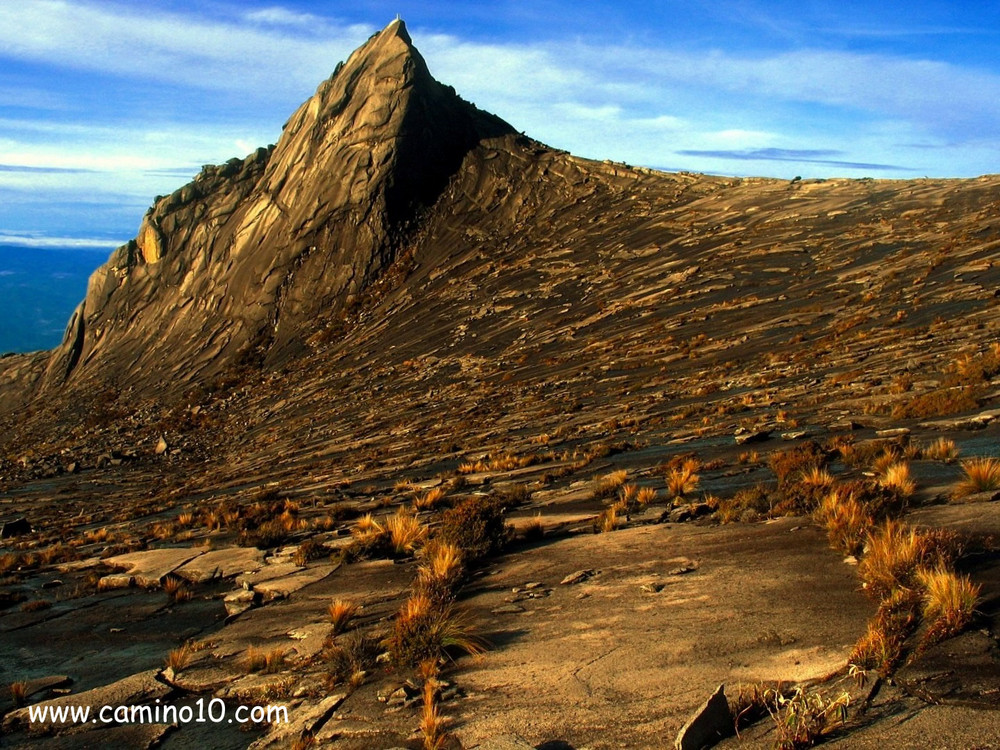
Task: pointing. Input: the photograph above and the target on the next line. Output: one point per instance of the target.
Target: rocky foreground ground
(310, 335)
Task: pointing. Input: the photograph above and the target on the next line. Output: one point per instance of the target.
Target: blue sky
(105, 104)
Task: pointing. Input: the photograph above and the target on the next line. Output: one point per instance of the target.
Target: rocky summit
(437, 436)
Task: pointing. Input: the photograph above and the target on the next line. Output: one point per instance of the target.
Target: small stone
(161, 446)
(851, 560)
(508, 609)
(651, 588)
(577, 577)
(533, 585)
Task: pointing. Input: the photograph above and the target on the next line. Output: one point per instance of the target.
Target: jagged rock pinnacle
(237, 265)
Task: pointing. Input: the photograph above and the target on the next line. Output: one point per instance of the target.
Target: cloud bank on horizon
(107, 104)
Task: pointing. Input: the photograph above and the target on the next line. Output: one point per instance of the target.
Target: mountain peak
(252, 253)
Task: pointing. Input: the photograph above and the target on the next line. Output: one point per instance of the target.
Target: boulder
(709, 724)
(15, 527)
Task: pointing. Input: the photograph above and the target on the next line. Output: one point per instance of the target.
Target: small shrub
(350, 658)
(36, 605)
(341, 612)
(440, 575)
(426, 630)
(477, 527)
(949, 601)
(608, 520)
(803, 718)
(881, 647)
(982, 474)
(609, 484)
(308, 551)
(847, 522)
(432, 724)
(177, 590)
(646, 496)
(683, 480)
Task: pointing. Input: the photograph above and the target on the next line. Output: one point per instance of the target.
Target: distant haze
(39, 289)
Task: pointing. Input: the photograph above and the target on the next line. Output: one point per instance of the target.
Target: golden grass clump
(432, 724)
(982, 474)
(816, 478)
(430, 499)
(405, 532)
(941, 449)
(896, 478)
(264, 660)
(949, 601)
(179, 658)
(341, 612)
(441, 572)
(18, 693)
(645, 496)
(847, 522)
(893, 554)
(425, 629)
(683, 480)
(608, 520)
(176, 589)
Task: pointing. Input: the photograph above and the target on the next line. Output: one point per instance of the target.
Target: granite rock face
(236, 266)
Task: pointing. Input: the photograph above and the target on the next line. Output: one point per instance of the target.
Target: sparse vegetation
(441, 572)
(424, 629)
(477, 527)
(893, 554)
(341, 612)
(18, 693)
(803, 718)
(941, 449)
(683, 480)
(949, 601)
(896, 478)
(432, 724)
(982, 474)
(264, 660)
(179, 658)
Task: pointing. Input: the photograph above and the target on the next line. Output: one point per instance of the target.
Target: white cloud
(278, 16)
(42, 241)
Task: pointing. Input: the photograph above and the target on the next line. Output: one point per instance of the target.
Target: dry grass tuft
(683, 480)
(896, 478)
(645, 496)
(425, 629)
(341, 612)
(893, 554)
(441, 572)
(430, 499)
(949, 601)
(982, 474)
(941, 449)
(847, 522)
(432, 724)
(176, 590)
(264, 660)
(179, 658)
(608, 520)
(19, 693)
